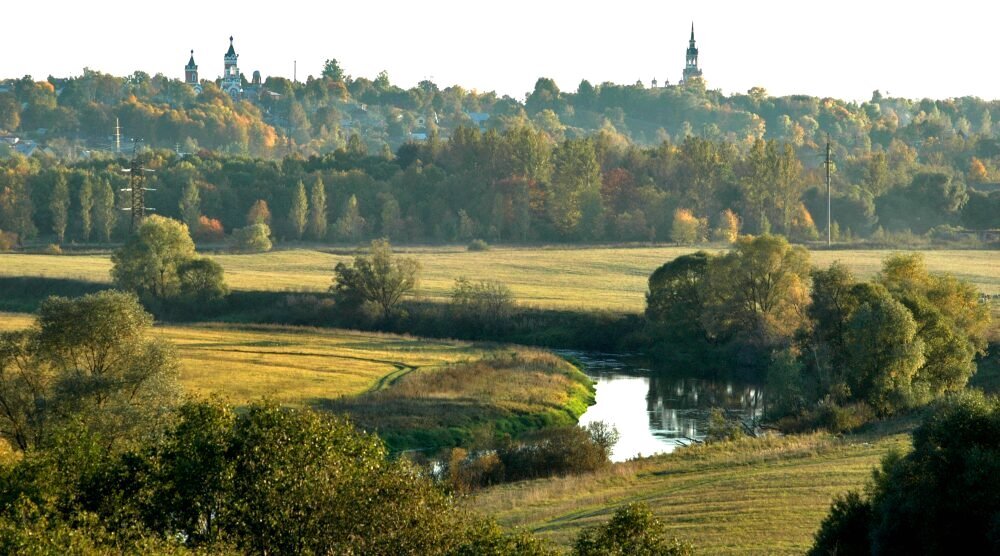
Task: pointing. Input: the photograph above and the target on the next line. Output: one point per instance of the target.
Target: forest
(604, 163)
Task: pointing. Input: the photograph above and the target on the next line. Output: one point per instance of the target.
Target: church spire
(691, 68)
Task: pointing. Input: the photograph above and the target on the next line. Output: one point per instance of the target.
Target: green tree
(632, 531)
(255, 238)
(190, 204)
(86, 362)
(883, 350)
(85, 198)
(148, 261)
(298, 214)
(332, 70)
(575, 171)
(317, 210)
(378, 278)
(59, 205)
(104, 212)
(202, 282)
(673, 299)
(351, 225)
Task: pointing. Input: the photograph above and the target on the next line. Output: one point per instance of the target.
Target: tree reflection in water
(655, 412)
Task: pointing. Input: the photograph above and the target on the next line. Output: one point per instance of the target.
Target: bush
(845, 529)
(255, 238)
(8, 240)
(722, 428)
(209, 229)
(633, 531)
(486, 303)
(53, 249)
(555, 451)
(478, 245)
(687, 228)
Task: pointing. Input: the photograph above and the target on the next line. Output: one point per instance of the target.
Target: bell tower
(691, 69)
(191, 74)
(231, 75)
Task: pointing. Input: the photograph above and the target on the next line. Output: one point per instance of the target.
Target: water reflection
(657, 412)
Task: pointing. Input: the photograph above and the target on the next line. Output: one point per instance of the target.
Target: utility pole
(829, 188)
(118, 138)
(137, 193)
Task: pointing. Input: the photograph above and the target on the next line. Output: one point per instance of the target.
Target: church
(691, 69)
(232, 81)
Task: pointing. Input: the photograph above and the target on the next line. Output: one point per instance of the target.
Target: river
(656, 412)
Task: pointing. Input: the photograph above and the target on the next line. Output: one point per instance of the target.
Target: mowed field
(606, 278)
(765, 496)
(294, 366)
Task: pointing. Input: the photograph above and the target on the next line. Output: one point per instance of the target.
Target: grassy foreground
(763, 496)
(560, 277)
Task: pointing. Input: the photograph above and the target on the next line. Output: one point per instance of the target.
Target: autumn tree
(757, 292)
(259, 213)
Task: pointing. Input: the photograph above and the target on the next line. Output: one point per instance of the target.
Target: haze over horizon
(847, 52)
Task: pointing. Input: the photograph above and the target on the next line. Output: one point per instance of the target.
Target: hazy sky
(847, 51)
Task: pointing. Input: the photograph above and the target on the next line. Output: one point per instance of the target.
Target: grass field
(591, 278)
(295, 366)
(472, 403)
(763, 496)
(419, 393)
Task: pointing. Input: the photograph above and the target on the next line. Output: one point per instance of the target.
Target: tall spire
(691, 69)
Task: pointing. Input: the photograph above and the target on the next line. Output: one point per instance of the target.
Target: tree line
(509, 186)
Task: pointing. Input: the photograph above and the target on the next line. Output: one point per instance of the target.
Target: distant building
(232, 83)
(691, 69)
(191, 74)
(479, 118)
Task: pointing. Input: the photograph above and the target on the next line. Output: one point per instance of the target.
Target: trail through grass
(295, 366)
(564, 277)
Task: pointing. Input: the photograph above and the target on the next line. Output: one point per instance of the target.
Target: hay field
(610, 278)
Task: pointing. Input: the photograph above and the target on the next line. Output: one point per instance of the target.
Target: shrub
(728, 227)
(53, 249)
(634, 531)
(553, 451)
(478, 245)
(8, 240)
(209, 229)
(488, 303)
(255, 238)
(721, 428)
(687, 228)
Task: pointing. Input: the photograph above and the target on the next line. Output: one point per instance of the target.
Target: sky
(844, 49)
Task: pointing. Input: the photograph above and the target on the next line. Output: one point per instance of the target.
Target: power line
(137, 192)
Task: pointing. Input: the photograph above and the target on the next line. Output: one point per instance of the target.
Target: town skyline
(933, 55)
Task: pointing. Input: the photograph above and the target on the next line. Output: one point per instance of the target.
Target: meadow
(752, 496)
(417, 392)
(605, 278)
